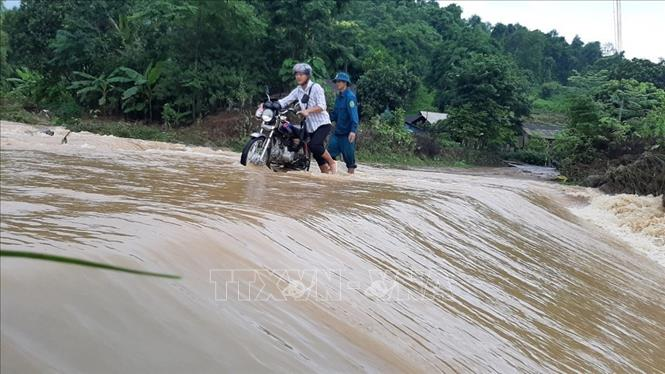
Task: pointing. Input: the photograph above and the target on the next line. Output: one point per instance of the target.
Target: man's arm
(290, 98)
(352, 107)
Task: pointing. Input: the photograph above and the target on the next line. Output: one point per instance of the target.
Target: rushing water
(386, 271)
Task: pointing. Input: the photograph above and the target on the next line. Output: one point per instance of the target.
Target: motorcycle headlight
(267, 115)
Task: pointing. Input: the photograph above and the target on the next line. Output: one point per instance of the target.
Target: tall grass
(79, 262)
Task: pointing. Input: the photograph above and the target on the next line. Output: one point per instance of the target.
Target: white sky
(643, 22)
(9, 4)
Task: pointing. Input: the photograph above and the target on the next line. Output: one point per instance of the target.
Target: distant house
(547, 131)
(417, 122)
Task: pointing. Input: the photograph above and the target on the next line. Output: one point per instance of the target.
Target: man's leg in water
(348, 150)
(330, 166)
(322, 157)
(334, 147)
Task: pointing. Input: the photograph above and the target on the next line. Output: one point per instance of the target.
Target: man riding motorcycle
(313, 106)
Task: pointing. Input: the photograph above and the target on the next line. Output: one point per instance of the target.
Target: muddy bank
(643, 176)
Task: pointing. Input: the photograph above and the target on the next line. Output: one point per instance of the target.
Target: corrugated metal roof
(433, 117)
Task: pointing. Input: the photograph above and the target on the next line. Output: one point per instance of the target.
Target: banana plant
(172, 117)
(124, 29)
(26, 84)
(138, 97)
(101, 86)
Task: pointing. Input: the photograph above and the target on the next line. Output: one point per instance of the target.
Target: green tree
(32, 28)
(487, 97)
(386, 86)
(628, 99)
(609, 121)
(5, 69)
(652, 126)
(618, 67)
(300, 29)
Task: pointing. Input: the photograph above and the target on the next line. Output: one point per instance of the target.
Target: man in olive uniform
(345, 116)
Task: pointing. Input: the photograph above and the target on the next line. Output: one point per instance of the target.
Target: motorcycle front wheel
(252, 151)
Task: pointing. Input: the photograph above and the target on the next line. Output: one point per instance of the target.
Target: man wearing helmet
(312, 101)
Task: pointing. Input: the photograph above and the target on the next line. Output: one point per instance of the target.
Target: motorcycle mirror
(268, 92)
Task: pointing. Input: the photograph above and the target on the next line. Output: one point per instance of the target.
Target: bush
(556, 105)
(549, 89)
(173, 118)
(427, 145)
(536, 152)
(488, 128)
(386, 134)
(653, 125)
(11, 109)
(528, 156)
(61, 103)
(34, 92)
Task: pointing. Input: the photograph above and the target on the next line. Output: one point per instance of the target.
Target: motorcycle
(280, 143)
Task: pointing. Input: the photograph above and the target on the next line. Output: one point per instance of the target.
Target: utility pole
(616, 12)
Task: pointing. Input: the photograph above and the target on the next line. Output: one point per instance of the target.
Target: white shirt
(316, 98)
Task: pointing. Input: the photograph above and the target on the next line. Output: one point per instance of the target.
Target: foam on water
(637, 220)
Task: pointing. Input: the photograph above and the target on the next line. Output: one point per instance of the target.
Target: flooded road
(386, 271)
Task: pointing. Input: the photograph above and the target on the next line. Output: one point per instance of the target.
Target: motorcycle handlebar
(274, 105)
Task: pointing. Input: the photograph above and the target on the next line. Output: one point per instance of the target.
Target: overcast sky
(12, 3)
(643, 25)
(642, 21)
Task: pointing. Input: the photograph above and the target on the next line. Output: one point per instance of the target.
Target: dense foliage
(201, 56)
(612, 123)
(174, 62)
(487, 96)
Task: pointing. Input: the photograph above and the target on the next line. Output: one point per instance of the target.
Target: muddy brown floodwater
(387, 271)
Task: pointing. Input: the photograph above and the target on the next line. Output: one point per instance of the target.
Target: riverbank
(229, 130)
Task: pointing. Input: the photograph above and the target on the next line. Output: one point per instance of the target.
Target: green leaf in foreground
(76, 261)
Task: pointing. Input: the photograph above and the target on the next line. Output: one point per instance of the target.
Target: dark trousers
(340, 144)
(316, 143)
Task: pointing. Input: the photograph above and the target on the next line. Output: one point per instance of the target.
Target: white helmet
(303, 68)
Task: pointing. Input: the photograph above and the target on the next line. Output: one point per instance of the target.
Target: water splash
(639, 220)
